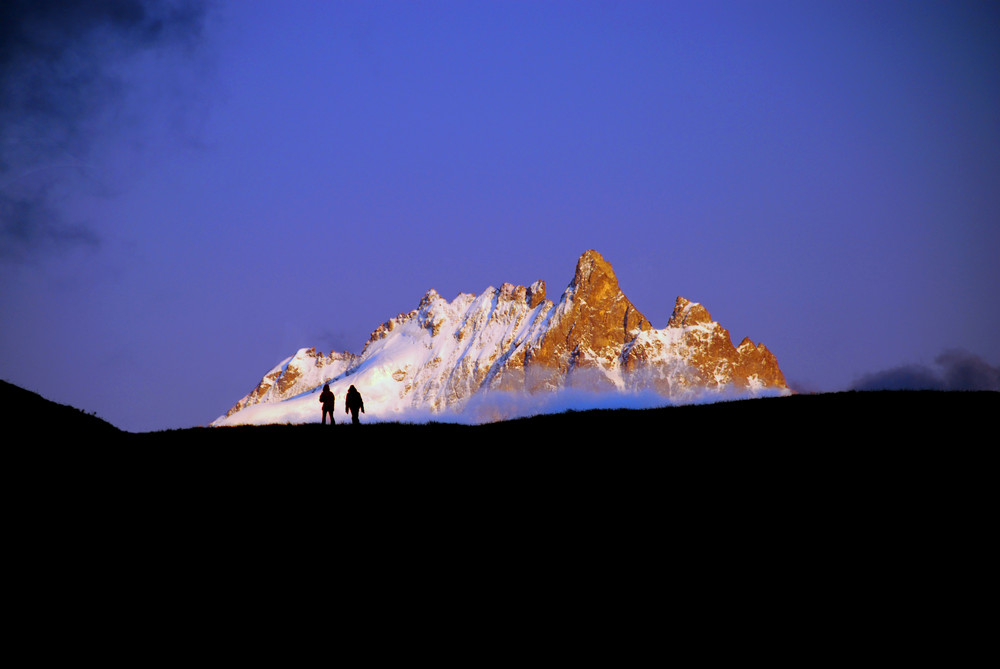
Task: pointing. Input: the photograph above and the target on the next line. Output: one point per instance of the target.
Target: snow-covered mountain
(510, 352)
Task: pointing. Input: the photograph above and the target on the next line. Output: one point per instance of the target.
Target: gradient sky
(189, 193)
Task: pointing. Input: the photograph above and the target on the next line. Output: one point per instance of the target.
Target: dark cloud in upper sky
(956, 370)
(59, 85)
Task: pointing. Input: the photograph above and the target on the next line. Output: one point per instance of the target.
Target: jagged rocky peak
(593, 268)
(536, 294)
(532, 295)
(598, 304)
(747, 346)
(591, 325)
(513, 339)
(687, 313)
(510, 293)
(428, 298)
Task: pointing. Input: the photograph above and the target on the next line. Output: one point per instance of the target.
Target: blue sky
(191, 192)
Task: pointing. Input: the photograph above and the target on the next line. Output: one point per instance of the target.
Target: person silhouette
(327, 398)
(354, 403)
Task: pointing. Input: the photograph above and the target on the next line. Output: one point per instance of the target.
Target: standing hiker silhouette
(327, 398)
(354, 404)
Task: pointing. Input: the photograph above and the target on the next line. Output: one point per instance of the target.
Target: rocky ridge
(513, 339)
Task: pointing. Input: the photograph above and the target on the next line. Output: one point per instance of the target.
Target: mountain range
(511, 351)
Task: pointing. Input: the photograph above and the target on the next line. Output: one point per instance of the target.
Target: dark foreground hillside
(853, 419)
(41, 416)
(824, 435)
(821, 526)
(804, 442)
(848, 420)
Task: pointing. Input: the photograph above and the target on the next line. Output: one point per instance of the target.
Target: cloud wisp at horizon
(955, 369)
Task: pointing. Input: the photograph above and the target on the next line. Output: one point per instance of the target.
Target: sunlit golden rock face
(513, 339)
(596, 339)
(589, 328)
(695, 352)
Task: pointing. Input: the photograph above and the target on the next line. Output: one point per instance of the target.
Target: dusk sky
(189, 193)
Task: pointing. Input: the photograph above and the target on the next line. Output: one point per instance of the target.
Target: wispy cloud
(58, 81)
(953, 370)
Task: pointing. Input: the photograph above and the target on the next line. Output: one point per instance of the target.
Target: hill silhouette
(852, 419)
(808, 455)
(868, 442)
(34, 411)
(807, 511)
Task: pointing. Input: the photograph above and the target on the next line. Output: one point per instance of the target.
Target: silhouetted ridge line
(35, 412)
